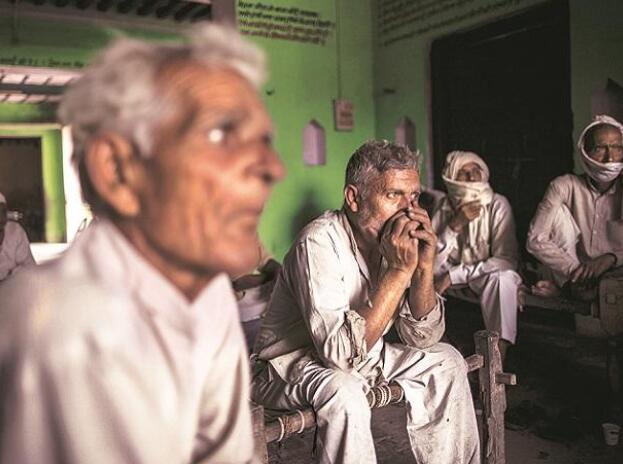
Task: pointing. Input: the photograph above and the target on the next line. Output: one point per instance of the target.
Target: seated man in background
(253, 290)
(477, 246)
(577, 231)
(128, 348)
(350, 275)
(15, 251)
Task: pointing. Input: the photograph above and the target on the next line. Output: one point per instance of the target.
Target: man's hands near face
(408, 242)
(592, 269)
(466, 213)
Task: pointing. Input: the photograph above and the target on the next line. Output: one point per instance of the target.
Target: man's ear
(351, 197)
(115, 173)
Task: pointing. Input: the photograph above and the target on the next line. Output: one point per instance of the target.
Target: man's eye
(391, 195)
(218, 135)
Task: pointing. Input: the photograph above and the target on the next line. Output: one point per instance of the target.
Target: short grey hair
(375, 157)
(118, 91)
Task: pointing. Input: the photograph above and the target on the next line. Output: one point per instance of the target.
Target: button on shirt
(312, 314)
(598, 217)
(14, 250)
(104, 361)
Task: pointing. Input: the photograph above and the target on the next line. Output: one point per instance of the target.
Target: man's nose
(273, 168)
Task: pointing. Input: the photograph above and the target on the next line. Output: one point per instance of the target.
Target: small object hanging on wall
(404, 134)
(314, 144)
(344, 115)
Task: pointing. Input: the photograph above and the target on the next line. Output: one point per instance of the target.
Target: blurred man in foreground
(350, 276)
(128, 348)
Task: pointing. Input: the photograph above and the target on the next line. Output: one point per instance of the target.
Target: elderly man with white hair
(577, 231)
(128, 349)
(477, 246)
(350, 276)
(15, 251)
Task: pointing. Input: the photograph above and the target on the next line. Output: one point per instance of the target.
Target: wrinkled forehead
(471, 166)
(397, 179)
(606, 130)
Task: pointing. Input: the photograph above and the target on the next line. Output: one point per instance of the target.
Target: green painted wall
(402, 69)
(596, 48)
(302, 85)
(404, 66)
(303, 82)
(45, 43)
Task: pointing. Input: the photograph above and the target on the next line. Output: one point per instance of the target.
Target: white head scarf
(479, 231)
(463, 192)
(600, 172)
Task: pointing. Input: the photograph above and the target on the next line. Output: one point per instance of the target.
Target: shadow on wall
(308, 211)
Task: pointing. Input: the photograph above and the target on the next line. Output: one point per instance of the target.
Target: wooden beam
(493, 396)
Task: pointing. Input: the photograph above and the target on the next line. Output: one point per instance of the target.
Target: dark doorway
(503, 91)
(21, 182)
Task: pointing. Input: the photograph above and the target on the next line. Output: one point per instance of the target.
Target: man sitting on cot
(350, 276)
(477, 246)
(577, 231)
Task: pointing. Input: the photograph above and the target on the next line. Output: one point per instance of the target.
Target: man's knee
(505, 277)
(344, 394)
(451, 358)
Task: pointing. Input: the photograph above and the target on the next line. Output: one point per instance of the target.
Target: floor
(554, 414)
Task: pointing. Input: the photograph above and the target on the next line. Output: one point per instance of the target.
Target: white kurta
(311, 351)
(574, 222)
(491, 275)
(14, 250)
(104, 361)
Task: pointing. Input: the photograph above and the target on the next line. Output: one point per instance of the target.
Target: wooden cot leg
(492, 382)
(259, 432)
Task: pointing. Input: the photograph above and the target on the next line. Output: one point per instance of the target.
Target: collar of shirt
(115, 262)
(614, 188)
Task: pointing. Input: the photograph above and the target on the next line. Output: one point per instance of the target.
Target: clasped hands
(408, 242)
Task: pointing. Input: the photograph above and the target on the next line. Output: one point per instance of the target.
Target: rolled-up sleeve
(424, 332)
(318, 281)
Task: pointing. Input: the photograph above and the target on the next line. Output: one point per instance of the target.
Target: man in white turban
(477, 246)
(577, 231)
(15, 251)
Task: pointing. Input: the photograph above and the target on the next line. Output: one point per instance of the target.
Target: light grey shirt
(104, 361)
(598, 217)
(312, 314)
(14, 250)
(496, 252)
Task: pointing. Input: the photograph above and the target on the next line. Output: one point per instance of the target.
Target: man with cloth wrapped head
(577, 231)
(477, 246)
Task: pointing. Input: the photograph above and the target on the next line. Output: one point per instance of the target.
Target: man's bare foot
(546, 289)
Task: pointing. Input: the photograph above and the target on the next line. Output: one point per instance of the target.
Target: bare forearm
(384, 301)
(422, 298)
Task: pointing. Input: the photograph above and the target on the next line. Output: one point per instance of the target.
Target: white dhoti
(441, 423)
(497, 294)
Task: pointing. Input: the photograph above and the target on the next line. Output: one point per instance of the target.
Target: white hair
(118, 90)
